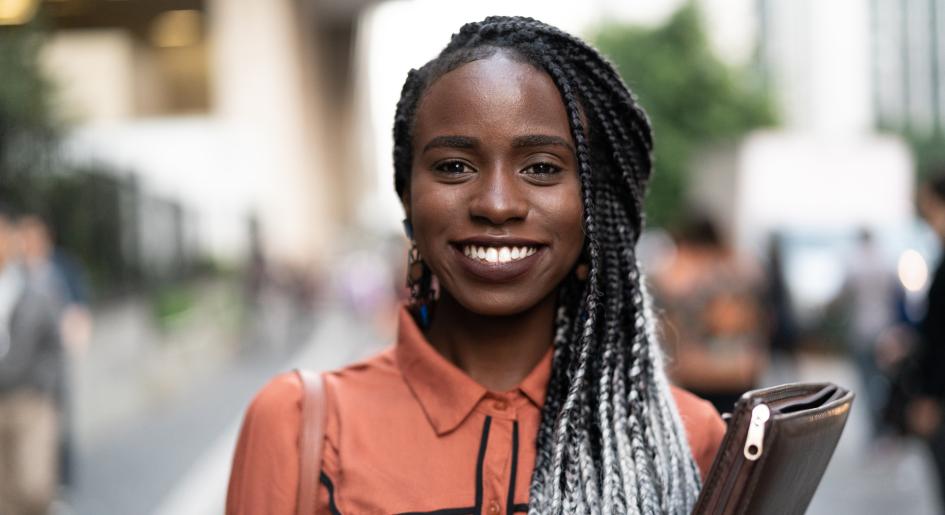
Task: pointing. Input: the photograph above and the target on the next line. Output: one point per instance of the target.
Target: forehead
(496, 97)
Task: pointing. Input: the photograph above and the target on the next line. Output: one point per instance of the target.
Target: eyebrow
(451, 142)
(531, 140)
(541, 140)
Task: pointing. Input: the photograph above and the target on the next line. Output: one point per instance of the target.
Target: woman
(529, 379)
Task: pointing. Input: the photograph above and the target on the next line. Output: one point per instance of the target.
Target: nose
(499, 197)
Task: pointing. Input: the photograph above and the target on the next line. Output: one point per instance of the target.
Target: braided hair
(610, 438)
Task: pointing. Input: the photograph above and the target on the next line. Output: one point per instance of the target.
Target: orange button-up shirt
(409, 432)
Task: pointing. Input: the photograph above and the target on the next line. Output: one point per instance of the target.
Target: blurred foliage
(171, 303)
(692, 98)
(928, 151)
(94, 211)
(81, 205)
(27, 127)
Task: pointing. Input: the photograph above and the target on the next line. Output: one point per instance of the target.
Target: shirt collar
(445, 392)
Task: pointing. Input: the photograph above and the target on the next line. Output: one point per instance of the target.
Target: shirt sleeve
(264, 476)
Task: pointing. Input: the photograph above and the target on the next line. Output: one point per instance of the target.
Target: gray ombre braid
(610, 439)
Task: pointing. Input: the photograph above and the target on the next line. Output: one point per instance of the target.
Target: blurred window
(168, 70)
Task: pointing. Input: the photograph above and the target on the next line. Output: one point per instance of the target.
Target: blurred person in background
(869, 294)
(714, 320)
(56, 270)
(782, 323)
(523, 199)
(30, 358)
(924, 413)
(53, 272)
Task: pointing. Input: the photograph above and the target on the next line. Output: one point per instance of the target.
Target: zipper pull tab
(756, 431)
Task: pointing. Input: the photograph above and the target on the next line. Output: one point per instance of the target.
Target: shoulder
(704, 427)
(279, 399)
(363, 380)
(279, 403)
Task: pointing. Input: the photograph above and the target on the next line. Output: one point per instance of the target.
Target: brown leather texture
(805, 424)
(311, 436)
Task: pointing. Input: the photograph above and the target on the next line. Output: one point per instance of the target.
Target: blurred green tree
(692, 98)
(28, 131)
(928, 151)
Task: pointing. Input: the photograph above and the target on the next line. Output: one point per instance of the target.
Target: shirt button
(494, 507)
(501, 405)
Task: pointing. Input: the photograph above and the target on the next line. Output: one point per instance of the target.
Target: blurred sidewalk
(134, 365)
(156, 411)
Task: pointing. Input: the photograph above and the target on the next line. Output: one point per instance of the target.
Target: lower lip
(497, 272)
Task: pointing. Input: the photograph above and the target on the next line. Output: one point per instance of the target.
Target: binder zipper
(754, 442)
(742, 466)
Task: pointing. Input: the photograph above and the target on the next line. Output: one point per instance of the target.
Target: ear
(405, 202)
(408, 225)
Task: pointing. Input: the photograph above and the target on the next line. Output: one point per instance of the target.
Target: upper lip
(498, 241)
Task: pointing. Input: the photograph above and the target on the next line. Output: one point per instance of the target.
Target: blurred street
(157, 435)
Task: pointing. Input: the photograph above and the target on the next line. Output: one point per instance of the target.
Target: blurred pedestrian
(869, 292)
(782, 321)
(714, 319)
(924, 413)
(52, 272)
(29, 368)
(57, 271)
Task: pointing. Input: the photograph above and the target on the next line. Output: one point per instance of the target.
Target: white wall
(92, 71)
(796, 180)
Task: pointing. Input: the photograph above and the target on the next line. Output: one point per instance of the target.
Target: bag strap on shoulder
(311, 440)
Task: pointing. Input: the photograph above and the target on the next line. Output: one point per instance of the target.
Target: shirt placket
(501, 453)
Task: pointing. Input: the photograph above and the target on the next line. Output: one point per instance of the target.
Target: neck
(497, 352)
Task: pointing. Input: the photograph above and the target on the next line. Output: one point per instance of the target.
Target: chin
(498, 304)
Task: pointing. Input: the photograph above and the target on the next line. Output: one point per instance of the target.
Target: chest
(483, 466)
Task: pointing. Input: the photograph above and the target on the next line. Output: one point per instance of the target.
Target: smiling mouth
(498, 255)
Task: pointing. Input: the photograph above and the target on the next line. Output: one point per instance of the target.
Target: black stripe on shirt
(331, 494)
(446, 511)
(482, 456)
(510, 507)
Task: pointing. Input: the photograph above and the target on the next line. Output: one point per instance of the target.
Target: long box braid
(610, 439)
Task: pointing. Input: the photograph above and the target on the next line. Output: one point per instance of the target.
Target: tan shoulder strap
(311, 440)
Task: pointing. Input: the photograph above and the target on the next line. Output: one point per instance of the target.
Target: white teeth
(497, 254)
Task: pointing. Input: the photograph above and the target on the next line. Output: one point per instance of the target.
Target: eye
(453, 167)
(542, 169)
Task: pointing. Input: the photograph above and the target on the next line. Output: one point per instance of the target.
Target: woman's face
(495, 198)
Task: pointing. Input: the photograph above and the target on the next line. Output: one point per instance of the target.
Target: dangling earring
(581, 271)
(583, 267)
(419, 280)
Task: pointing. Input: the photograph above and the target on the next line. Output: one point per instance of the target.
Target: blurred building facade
(238, 109)
(908, 47)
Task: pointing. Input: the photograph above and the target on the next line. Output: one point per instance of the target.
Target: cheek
(432, 209)
(565, 213)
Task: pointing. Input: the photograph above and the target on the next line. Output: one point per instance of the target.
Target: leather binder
(775, 451)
